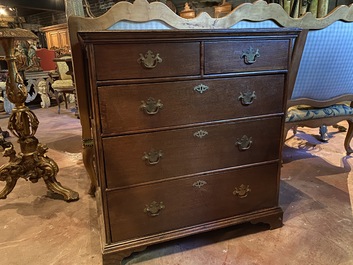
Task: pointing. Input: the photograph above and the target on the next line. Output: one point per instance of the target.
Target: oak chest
(188, 129)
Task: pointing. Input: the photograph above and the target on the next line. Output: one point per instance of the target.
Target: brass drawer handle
(244, 143)
(152, 157)
(154, 208)
(152, 106)
(242, 191)
(247, 97)
(149, 60)
(201, 88)
(250, 55)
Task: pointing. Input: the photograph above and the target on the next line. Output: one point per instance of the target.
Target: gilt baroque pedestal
(31, 163)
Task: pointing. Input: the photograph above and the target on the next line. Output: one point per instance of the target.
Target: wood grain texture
(213, 201)
(185, 154)
(120, 111)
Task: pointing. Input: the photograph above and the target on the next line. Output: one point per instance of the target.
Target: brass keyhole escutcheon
(153, 156)
(200, 134)
(242, 191)
(149, 60)
(151, 106)
(201, 88)
(154, 208)
(199, 184)
(250, 55)
(247, 98)
(244, 143)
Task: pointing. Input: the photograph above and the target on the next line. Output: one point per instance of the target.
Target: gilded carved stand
(31, 163)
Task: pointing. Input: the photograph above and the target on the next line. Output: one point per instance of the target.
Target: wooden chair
(64, 84)
(322, 92)
(46, 59)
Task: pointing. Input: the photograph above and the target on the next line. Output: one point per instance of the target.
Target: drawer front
(125, 108)
(243, 56)
(147, 60)
(147, 157)
(150, 209)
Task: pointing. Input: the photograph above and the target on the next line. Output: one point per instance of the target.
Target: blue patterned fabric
(254, 25)
(130, 25)
(306, 113)
(326, 68)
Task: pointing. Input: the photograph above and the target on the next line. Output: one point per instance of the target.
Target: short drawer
(125, 108)
(244, 56)
(160, 155)
(146, 60)
(157, 208)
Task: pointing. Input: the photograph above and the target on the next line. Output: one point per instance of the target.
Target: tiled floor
(316, 195)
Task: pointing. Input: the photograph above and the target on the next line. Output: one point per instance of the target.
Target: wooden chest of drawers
(188, 130)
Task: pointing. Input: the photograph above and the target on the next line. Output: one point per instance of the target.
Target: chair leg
(340, 128)
(323, 133)
(286, 130)
(57, 100)
(348, 138)
(65, 99)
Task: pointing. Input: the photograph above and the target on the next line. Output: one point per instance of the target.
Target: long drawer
(146, 60)
(157, 208)
(126, 107)
(244, 56)
(148, 157)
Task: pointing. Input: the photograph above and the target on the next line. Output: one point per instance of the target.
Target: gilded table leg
(56, 187)
(10, 184)
(31, 167)
(87, 156)
(10, 171)
(49, 171)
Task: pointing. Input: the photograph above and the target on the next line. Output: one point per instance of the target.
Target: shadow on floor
(194, 242)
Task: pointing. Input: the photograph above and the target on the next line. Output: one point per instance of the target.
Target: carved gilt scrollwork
(31, 163)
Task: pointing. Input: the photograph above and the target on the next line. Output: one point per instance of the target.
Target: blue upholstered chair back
(326, 67)
(160, 25)
(131, 25)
